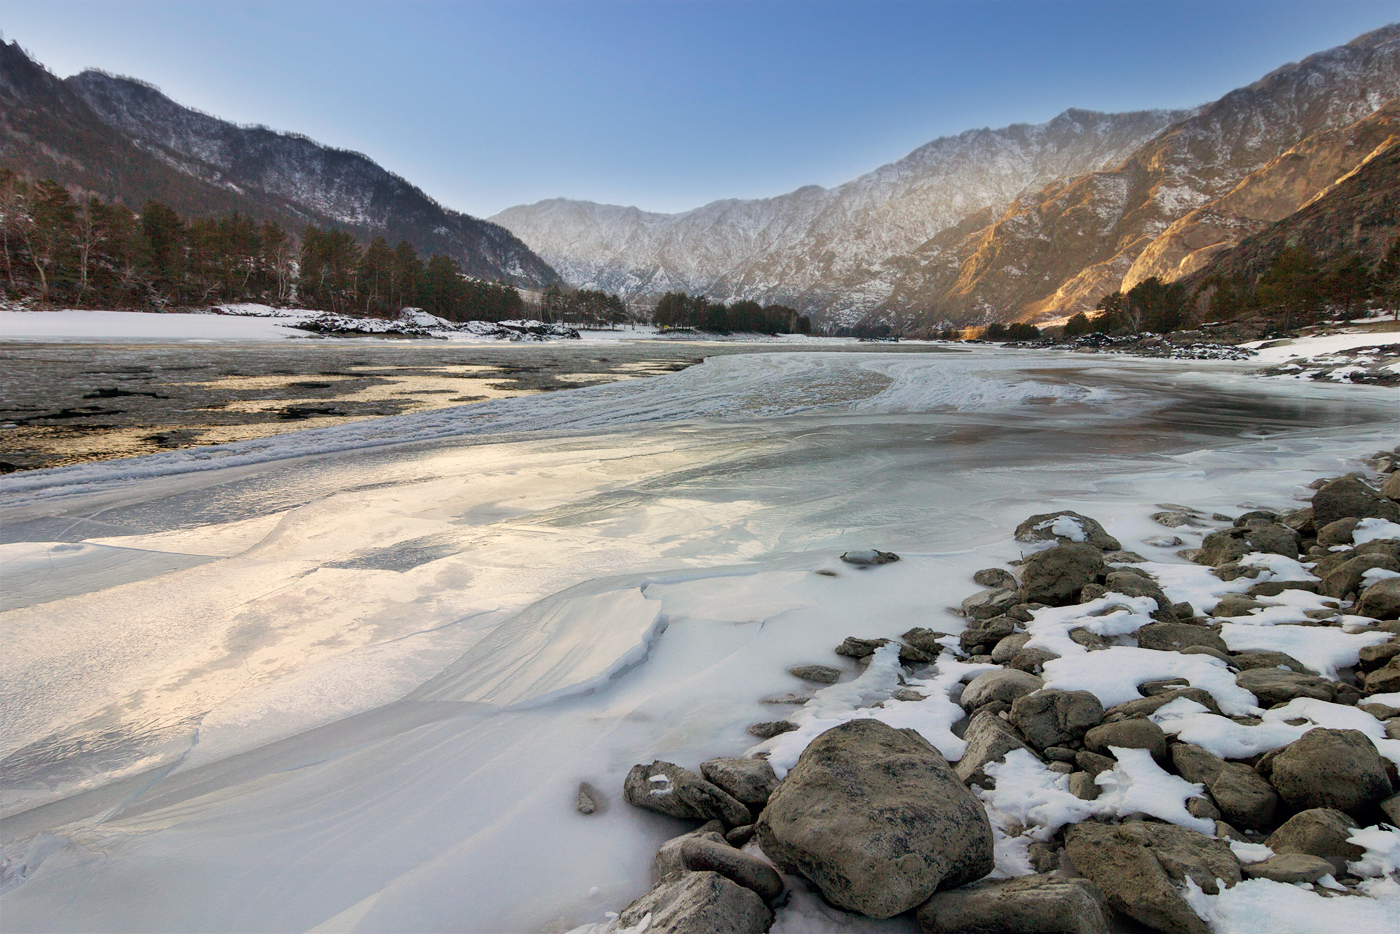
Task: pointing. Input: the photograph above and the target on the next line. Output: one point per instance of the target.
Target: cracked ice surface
(368, 704)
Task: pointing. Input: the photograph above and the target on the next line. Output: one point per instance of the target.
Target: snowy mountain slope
(326, 184)
(1284, 185)
(812, 244)
(1058, 250)
(123, 139)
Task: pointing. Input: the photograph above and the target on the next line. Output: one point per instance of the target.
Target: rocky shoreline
(1091, 747)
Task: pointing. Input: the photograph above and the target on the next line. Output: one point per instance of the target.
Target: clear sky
(670, 105)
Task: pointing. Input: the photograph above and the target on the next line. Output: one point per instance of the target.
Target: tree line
(88, 253)
(1296, 288)
(581, 306)
(678, 310)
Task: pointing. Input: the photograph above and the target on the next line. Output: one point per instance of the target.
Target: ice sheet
(237, 745)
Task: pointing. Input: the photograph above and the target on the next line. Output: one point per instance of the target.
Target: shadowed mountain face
(123, 139)
(1023, 222)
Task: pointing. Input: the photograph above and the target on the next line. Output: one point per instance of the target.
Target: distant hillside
(835, 251)
(121, 138)
(1027, 222)
(1360, 213)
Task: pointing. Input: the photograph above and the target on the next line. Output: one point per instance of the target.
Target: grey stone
(821, 674)
(749, 781)
(738, 836)
(586, 801)
(1236, 604)
(1128, 734)
(1276, 686)
(667, 860)
(695, 903)
(1004, 686)
(1146, 706)
(1255, 517)
(1246, 661)
(1391, 488)
(925, 640)
(1348, 578)
(1232, 544)
(867, 559)
(1324, 768)
(698, 855)
(1290, 867)
(1057, 575)
(1195, 764)
(877, 820)
(1318, 832)
(1245, 799)
(1007, 648)
(1381, 600)
(1376, 656)
(1093, 763)
(989, 738)
(1046, 904)
(1031, 661)
(1175, 519)
(1210, 650)
(669, 789)
(853, 647)
(1058, 753)
(1390, 807)
(1090, 640)
(1038, 528)
(1384, 680)
(996, 578)
(988, 603)
(986, 633)
(1131, 584)
(1299, 520)
(1139, 865)
(1274, 588)
(1083, 786)
(1173, 637)
(1337, 533)
(1126, 557)
(1203, 807)
(1349, 497)
(771, 728)
(1054, 717)
(1064, 768)
(1162, 686)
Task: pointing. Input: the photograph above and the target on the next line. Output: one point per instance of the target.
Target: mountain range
(121, 138)
(1022, 223)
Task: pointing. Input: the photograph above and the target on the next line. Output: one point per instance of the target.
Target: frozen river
(350, 678)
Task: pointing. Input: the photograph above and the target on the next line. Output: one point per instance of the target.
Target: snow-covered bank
(302, 732)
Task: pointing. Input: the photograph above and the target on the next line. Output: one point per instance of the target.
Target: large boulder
(1132, 584)
(1173, 637)
(986, 604)
(1245, 800)
(1349, 497)
(1350, 577)
(877, 820)
(1056, 718)
(1140, 867)
(1228, 545)
(750, 781)
(1382, 599)
(1046, 904)
(1277, 686)
(1330, 769)
(695, 903)
(1066, 527)
(998, 685)
(1057, 575)
(989, 738)
(1320, 832)
(679, 792)
(1128, 734)
(982, 636)
(1384, 680)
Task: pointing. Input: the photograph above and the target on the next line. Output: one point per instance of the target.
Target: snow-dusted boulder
(877, 820)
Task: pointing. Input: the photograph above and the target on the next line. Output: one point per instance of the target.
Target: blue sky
(670, 105)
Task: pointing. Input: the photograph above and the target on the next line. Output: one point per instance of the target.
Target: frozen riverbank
(305, 723)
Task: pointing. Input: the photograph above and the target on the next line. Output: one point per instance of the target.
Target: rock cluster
(880, 824)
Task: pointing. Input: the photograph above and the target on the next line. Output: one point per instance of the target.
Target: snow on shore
(311, 730)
